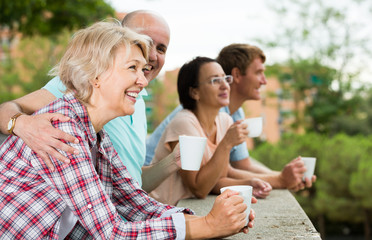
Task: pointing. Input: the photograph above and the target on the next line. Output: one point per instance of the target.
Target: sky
(204, 27)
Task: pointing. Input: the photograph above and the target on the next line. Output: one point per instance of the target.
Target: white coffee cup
(192, 150)
(310, 167)
(246, 192)
(254, 126)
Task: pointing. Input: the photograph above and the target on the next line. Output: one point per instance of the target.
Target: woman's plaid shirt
(32, 198)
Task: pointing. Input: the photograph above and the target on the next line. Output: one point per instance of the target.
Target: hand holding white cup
(244, 191)
(310, 167)
(254, 126)
(191, 150)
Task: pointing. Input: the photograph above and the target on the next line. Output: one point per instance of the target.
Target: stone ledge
(279, 216)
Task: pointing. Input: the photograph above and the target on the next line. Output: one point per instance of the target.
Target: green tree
(276, 156)
(49, 17)
(361, 184)
(360, 122)
(28, 71)
(161, 95)
(337, 162)
(323, 48)
(154, 89)
(42, 24)
(343, 188)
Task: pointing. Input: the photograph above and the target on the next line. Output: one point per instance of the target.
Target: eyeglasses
(218, 80)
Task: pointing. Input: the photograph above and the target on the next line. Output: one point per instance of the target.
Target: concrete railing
(279, 216)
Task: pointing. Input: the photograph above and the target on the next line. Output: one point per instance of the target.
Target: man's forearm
(155, 174)
(274, 177)
(197, 227)
(27, 104)
(259, 168)
(251, 165)
(7, 110)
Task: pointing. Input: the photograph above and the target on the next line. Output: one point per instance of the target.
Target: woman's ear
(194, 93)
(96, 83)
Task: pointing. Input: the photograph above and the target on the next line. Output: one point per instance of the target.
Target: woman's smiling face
(120, 85)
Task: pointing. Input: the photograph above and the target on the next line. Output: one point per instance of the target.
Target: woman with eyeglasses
(203, 89)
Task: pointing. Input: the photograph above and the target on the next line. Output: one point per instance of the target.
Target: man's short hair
(239, 55)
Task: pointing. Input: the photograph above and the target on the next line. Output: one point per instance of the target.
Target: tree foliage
(28, 70)
(324, 47)
(342, 192)
(361, 179)
(358, 123)
(49, 17)
(45, 26)
(336, 166)
(163, 95)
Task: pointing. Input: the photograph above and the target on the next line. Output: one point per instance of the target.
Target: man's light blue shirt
(237, 153)
(128, 133)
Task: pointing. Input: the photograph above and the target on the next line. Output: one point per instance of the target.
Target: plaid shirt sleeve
(88, 196)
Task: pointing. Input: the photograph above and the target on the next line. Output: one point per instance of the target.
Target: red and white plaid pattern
(32, 198)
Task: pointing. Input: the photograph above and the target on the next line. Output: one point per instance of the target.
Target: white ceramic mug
(191, 150)
(246, 192)
(254, 126)
(310, 167)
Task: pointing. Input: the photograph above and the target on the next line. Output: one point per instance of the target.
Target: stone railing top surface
(279, 216)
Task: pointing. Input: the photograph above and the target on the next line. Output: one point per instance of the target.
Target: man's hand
(308, 183)
(39, 135)
(292, 173)
(261, 188)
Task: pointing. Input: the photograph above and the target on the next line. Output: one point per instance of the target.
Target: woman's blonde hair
(91, 52)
